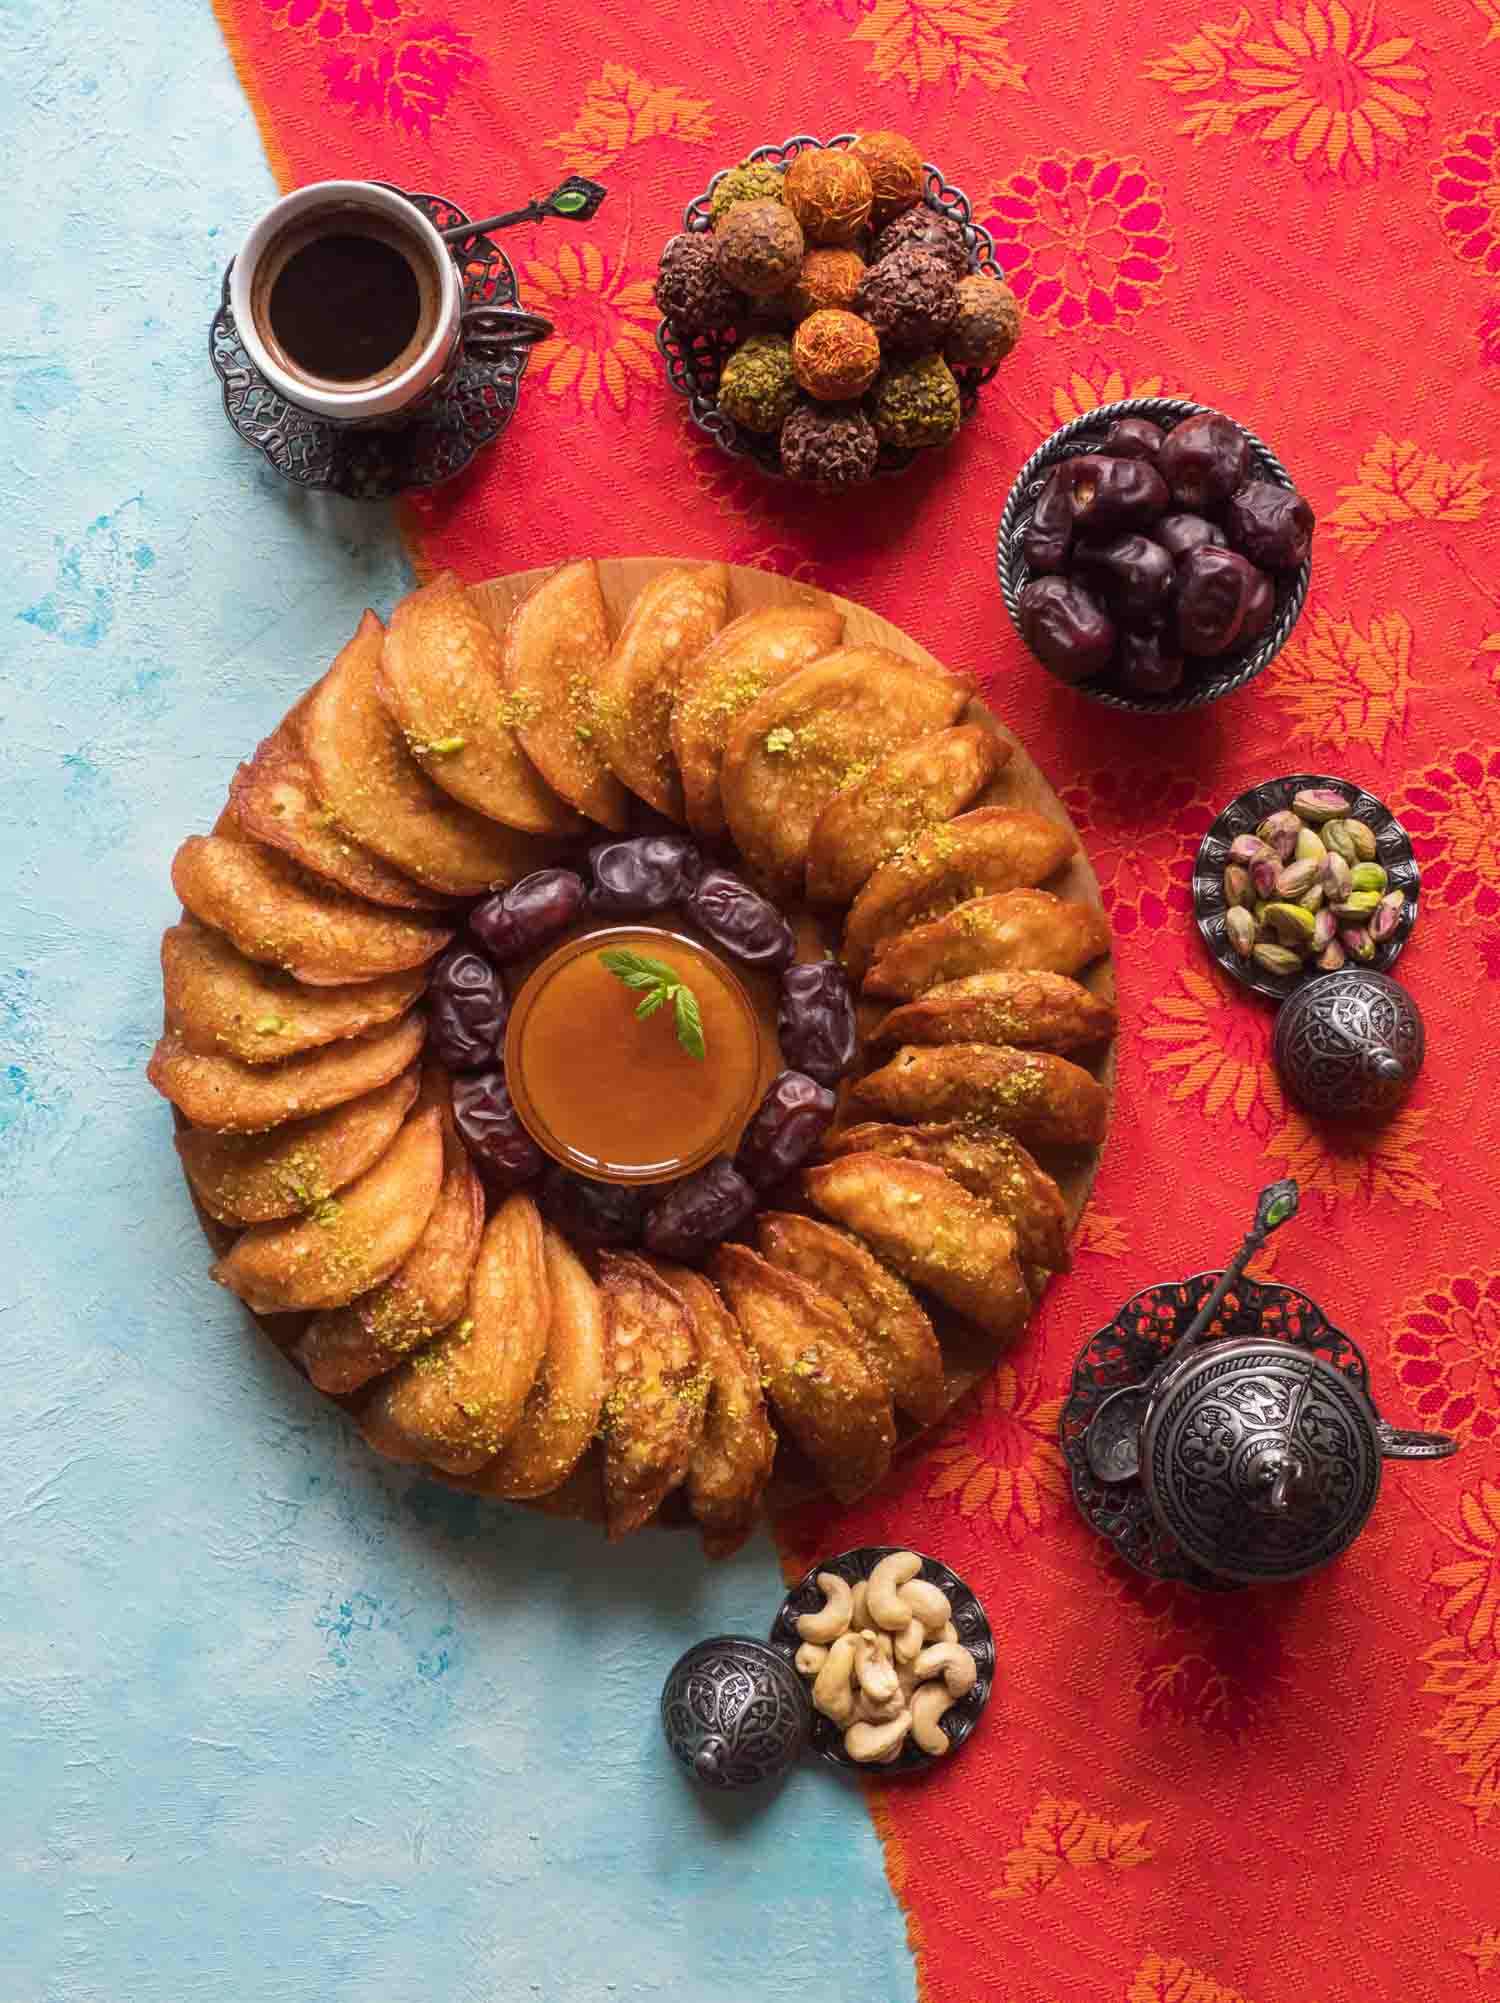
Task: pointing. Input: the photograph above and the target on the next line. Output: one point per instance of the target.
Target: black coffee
(344, 306)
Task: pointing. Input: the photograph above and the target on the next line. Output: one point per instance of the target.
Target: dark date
(1214, 590)
(815, 1020)
(519, 920)
(1109, 494)
(1203, 460)
(1065, 628)
(1149, 663)
(1049, 535)
(789, 1123)
(504, 1153)
(591, 1214)
(743, 922)
(1133, 438)
(646, 873)
(694, 1214)
(1177, 534)
(1271, 525)
(1131, 574)
(467, 1010)
(1260, 609)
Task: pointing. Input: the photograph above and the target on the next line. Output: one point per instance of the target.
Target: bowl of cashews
(897, 1653)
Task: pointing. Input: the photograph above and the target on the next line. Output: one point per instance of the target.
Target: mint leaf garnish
(657, 984)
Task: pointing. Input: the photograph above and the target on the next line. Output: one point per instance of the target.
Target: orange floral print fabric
(1291, 209)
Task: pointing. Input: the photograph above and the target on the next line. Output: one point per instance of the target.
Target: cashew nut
(949, 1632)
(859, 1615)
(887, 1608)
(868, 1712)
(868, 1743)
(810, 1658)
(882, 1643)
(911, 1641)
(927, 1602)
(833, 1692)
(906, 1676)
(927, 1708)
(955, 1665)
(875, 1675)
(832, 1618)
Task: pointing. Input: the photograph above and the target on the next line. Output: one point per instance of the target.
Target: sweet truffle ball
(924, 229)
(829, 193)
(895, 169)
(827, 278)
(759, 247)
(988, 325)
(690, 289)
(917, 403)
(751, 181)
(757, 385)
(824, 445)
(910, 298)
(836, 355)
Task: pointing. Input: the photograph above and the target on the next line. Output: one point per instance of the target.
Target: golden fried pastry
(1038, 1011)
(274, 799)
(234, 1098)
(561, 1414)
(456, 1402)
(993, 1166)
(931, 1229)
(991, 849)
(219, 1002)
(814, 733)
(556, 646)
(731, 1463)
(350, 1242)
(898, 1337)
(289, 1170)
(277, 914)
(440, 678)
(717, 688)
(343, 1350)
(923, 783)
(673, 619)
(1017, 931)
(653, 1416)
(375, 789)
(831, 1398)
(1041, 1099)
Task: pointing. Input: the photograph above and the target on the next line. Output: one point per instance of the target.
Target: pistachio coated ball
(895, 169)
(924, 229)
(836, 355)
(759, 247)
(690, 289)
(917, 403)
(757, 385)
(828, 445)
(988, 325)
(910, 299)
(829, 192)
(827, 278)
(751, 181)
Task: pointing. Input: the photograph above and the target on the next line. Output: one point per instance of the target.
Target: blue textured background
(275, 1722)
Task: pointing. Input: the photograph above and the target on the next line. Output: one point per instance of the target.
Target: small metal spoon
(575, 199)
(1113, 1440)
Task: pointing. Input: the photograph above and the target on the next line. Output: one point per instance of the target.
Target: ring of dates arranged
(646, 875)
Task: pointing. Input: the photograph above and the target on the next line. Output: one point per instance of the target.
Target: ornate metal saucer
(1130, 1347)
(1243, 815)
(974, 1631)
(693, 361)
(469, 412)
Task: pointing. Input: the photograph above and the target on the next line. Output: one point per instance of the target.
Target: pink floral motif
(1488, 336)
(411, 82)
(1466, 193)
(1141, 829)
(1083, 241)
(1446, 1350)
(329, 20)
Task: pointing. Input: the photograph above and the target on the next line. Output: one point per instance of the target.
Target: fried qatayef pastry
(233, 1098)
(556, 646)
(440, 678)
(219, 1002)
(993, 1166)
(274, 912)
(830, 1397)
(374, 788)
(731, 1463)
(897, 1335)
(350, 1242)
(920, 784)
(1042, 1099)
(289, 1170)
(457, 1402)
(673, 619)
(716, 689)
(1015, 931)
(931, 1229)
(653, 1416)
(989, 850)
(1035, 1010)
(345, 1349)
(274, 798)
(814, 733)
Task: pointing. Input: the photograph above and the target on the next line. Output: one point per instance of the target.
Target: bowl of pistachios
(1303, 876)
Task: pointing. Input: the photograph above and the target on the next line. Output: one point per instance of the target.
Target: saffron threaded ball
(691, 290)
(836, 355)
(988, 324)
(759, 247)
(910, 299)
(827, 278)
(917, 403)
(825, 445)
(829, 192)
(757, 385)
(751, 181)
(895, 169)
(924, 229)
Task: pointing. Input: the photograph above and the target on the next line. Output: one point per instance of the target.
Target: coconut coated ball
(827, 278)
(836, 355)
(757, 385)
(751, 181)
(924, 229)
(823, 445)
(895, 169)
(910, 298)
(759, 247)
(690, 290)
(829, 193)
(917, 404)
(988, 324)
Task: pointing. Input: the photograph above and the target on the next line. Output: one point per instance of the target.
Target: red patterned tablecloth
(1293, 211)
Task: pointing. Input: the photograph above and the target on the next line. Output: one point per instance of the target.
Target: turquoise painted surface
(275, 1723)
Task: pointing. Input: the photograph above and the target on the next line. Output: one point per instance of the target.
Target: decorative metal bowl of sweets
(1155, 554)
(831, 309)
